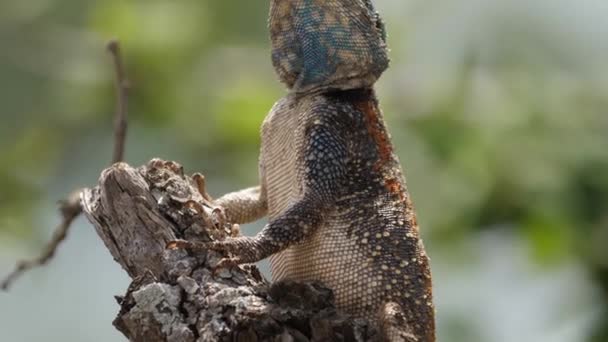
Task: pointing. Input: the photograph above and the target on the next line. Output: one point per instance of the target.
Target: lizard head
(327, 44)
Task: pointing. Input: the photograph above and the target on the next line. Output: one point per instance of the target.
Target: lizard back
(367, 248)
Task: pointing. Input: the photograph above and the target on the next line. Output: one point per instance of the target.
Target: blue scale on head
(315, 64)
(335, 44)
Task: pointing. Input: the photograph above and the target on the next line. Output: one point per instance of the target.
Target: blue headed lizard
(337, 204)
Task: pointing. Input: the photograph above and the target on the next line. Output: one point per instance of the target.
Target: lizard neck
(324, 45)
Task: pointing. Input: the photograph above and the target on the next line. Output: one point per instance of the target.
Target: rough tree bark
(175, 295)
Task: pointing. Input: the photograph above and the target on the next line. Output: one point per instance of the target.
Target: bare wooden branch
(175, 294)
(70, 208)
(122, 94)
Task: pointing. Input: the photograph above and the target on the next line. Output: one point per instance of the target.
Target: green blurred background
(497, 109)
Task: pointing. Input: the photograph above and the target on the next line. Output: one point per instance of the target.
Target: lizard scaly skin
(331, 186)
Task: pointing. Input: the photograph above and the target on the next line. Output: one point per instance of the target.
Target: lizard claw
(194, 205)
(199, 180)
(235, 230)
(219, 216)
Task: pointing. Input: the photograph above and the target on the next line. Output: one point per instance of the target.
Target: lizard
(331, 185)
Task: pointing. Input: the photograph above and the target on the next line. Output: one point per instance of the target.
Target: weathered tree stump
(175, 295)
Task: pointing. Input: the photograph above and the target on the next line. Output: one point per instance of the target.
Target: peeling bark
(175, 295)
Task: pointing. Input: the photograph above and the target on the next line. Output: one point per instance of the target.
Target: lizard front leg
(244, 206)
(324, 159)
(237, 207)
(293, 226)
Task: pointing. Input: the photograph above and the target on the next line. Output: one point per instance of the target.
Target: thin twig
(122, 92)
(71, 207)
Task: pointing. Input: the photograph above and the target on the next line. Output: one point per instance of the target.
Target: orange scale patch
(376, 130)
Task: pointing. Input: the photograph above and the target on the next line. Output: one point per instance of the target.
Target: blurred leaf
(240, 113)
(550, 236)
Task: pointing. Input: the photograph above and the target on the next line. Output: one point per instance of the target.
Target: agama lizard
(338, 208)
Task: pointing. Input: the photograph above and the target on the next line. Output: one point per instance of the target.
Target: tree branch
(122, 93)
(70, 208)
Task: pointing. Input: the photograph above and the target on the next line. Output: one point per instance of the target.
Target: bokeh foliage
(510, 134)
